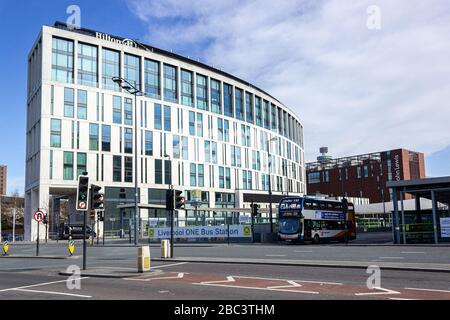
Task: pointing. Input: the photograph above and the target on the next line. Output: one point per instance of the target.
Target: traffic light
(92, 215)
(97, 198)
(83, 193)
(45, 219)
(101, 216)
(179, 200)
(255, 209)
(170, 200)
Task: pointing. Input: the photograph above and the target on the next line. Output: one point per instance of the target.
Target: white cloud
(356, 90)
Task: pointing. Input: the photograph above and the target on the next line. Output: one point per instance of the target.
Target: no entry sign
(39, 216)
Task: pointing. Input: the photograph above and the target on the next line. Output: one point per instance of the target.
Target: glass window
(207, 151)
(128, 169)
(117, 169)
(201, 175)
(193, 175)
(226, 130)
(170, 83)
(244, 180)
(168, 171)
(176, 147)
(117, 110)
(366, 171)
(167, 119)
(128, 140)
(158, 117)
(238, 104)
(106, 138)
(132, 69)
(214, 152)
(266, 114)
(68, 165)
(152, 79)
(314, 177)
(221, 177)
(220, 128)
(62, 60)
(274, 118)
(258, 111)
(192, 123)
(93, 137)
(55, 133)
(158, 171)
(185, 148)
(110, 69)
(87, 65)
(249, 107)
(128, 111)
(148, 143)
(280, 121)
(69, 102)
(215, 97)
(187, 88)
(228, 100)
(202, 92)
(82, 105)
(199, 124)
(228, 178)
(81, 163)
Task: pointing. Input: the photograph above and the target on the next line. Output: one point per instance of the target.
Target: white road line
(169, 265)
(53, 292)
(401, 299)
(253, 288)
(412, 252)
(383, 291)
(392, 257)
(41, 284)
(179, 276)
(432, 290)
(303, 251)
(275, 255)
(306, 281)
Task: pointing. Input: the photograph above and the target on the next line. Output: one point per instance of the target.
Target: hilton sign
(107, 37)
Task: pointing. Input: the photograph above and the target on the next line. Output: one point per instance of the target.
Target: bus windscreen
(290, 207)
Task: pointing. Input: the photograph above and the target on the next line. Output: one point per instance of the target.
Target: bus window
(322, 205)
(308, 204)
(315, 205)
(316, 225)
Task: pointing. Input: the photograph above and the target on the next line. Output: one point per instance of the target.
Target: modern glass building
(199, 128)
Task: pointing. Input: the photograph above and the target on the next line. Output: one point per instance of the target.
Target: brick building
(3, 180)
(365, 175)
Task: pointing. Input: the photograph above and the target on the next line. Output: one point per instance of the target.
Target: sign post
(39, 217)
(83, 205)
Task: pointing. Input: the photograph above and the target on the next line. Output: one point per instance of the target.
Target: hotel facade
(199, 128)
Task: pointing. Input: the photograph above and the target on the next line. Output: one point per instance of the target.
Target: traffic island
(114, 273)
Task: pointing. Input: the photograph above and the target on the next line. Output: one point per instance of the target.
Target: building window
(81, 163)
(228, 100)
(199, 124)
(214, 152)
(106, 138)
(93, 137)
(274, 118)
(168, 171)
(207, 151)
(193, 175)
(170, 83)
(82, 105)
(148, 143)
(202, 92)
(62, 60)
(238, 104)
(192, 123)
(326, 176)
(215, 97)
(117, 169)
(249, 107)
(220, 128)
(167, 119)
(221, 177)
(110, 69)
(185, 148)
(128, 169)
(314, 177)
(128, 112)
(366, 172)
(176, 147)
(129, 140)
(87, 65)
(280, 121)
(117, 110)
(187, 88)
(51, 164)
(68, 165)
(158, 171)
(69, 102)
(258, 112)
(228, 178)
(266, 115)
(152, 79)
(132, 69)
(358, 172)
(158, 116)
(55, 133)
(201, 175)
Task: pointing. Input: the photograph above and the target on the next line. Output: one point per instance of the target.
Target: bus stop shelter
(421, 225)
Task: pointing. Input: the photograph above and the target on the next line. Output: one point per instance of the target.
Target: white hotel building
(213, 126)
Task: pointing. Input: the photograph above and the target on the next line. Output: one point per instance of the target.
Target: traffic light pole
(172, 218)
(84, 241)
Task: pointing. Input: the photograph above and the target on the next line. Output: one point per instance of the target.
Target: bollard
(5, 248)
(165, 249)
(143, 259)
(71, 247)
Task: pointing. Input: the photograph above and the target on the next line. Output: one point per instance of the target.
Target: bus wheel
(316, 239)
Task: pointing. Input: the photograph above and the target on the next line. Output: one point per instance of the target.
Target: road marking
(275, 255)
(384, 291)
(432, 290)
(303, 251)
(292, 284)
(179, 276)
(392, 257)
(406, 299)
(412, 252)
(306, 281)
(41, 284)
(169, 265)
(53, 292)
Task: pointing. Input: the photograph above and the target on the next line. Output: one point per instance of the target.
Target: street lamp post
(270, 183)
(124, 84)
(172, 212)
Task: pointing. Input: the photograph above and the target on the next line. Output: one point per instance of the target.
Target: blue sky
(356, 90)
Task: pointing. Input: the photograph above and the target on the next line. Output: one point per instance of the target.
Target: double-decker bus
(307, 219)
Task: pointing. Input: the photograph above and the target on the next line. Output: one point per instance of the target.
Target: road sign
(39, 216)
(196, 195)
(247, 231)
(71, 247)
(244, 219)
(5, 248)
